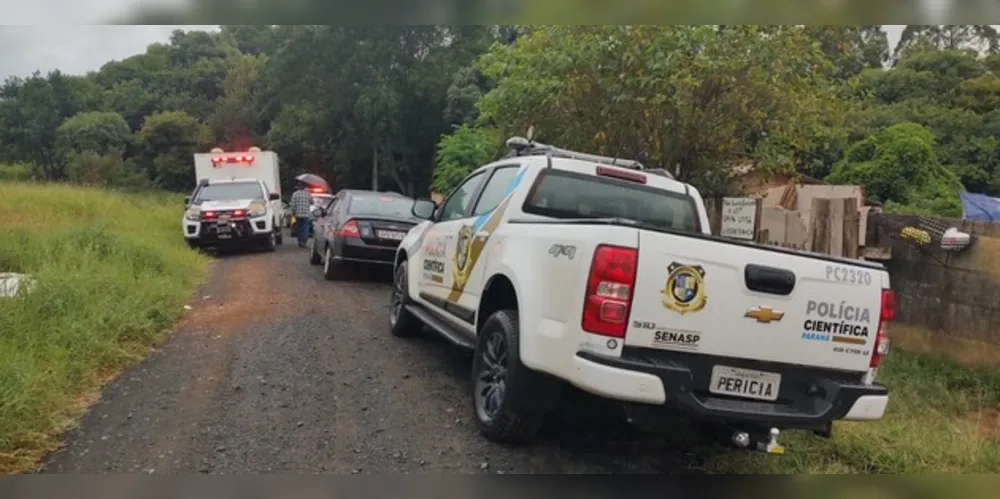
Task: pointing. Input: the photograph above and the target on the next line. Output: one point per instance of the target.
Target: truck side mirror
(274, 196)
(187, 200)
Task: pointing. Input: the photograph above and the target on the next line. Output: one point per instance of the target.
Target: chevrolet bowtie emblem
(764, 315)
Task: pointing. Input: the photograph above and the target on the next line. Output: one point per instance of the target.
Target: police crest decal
(463, 256)
(684, 291)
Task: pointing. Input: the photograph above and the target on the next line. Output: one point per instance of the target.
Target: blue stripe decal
(481, 219)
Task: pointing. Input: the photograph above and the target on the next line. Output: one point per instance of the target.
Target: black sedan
(359, 227)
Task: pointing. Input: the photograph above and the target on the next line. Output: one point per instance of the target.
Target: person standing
(300, 204)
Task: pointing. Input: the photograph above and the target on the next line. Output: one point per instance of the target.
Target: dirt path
(278, 370)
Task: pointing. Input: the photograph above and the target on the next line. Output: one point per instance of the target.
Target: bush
(898, 166)
(112, 275)
(942, 418)
(15, 172)
(104, 170)
(462, 151)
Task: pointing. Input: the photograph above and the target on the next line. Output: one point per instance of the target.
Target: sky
(77, 49)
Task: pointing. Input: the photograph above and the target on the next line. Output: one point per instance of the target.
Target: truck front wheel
(271, 243)
(498, 376)
(401, 322)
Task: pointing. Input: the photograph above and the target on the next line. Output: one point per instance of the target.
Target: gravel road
(277, 370)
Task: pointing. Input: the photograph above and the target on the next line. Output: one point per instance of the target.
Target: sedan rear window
(381, 205)
(563, 194)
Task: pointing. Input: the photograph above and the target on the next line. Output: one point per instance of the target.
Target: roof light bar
(521, 146)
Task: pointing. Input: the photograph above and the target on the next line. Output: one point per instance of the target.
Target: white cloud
(74, 49)
(18, 12)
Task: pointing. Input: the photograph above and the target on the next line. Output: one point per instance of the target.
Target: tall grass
(112, 273)
(942, 418)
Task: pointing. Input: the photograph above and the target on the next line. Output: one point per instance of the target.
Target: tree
(166, 145)
(104, 170)
(918, 38)
(898, 166)
(951, 93)
(697, 98)
(852, 48)
(30, 111)
(234, 121)
(462, 151)
(374, 99)
(251, 39)
(102, 132)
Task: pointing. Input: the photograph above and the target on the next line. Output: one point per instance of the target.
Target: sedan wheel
(331, 269)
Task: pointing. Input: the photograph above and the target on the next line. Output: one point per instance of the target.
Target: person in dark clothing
(300, 204)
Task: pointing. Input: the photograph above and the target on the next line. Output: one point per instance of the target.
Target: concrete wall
(951, 294)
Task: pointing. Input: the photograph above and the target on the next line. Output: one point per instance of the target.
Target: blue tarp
(980, 207)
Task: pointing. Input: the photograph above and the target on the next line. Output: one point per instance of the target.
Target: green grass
(942, 418)
(112, 272)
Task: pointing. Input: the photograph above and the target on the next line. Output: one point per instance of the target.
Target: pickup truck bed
(735, 331)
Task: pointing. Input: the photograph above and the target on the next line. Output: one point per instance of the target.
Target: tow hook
(770, 445)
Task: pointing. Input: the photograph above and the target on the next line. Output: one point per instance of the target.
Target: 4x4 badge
(764, 315)
(685, 288)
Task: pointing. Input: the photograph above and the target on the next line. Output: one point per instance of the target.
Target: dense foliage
(413, 108)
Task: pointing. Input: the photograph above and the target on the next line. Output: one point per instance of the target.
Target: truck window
(457, 204)
(495, 189)
(563, 194)
(230, 191)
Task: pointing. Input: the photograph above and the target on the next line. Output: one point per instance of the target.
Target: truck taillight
(886, 315)
(350, 229)
(609, 290)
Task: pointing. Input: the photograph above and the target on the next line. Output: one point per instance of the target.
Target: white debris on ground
(11, 283)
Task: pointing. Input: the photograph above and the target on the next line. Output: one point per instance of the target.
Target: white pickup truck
(236, 202)
(560, 267)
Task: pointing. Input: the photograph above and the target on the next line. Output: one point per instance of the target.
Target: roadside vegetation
(111, 276)
(414, 108)
(942, 418)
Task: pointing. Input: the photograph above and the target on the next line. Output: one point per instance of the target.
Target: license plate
(393, 235)
(746, 383)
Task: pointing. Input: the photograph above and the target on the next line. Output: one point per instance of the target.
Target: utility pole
(375, 169)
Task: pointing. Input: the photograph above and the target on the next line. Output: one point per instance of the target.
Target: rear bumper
(808, 398)
(357, 250)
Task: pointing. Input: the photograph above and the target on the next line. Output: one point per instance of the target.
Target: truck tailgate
(711, 297)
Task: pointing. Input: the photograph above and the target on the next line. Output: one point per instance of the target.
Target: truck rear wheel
(497, 376)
